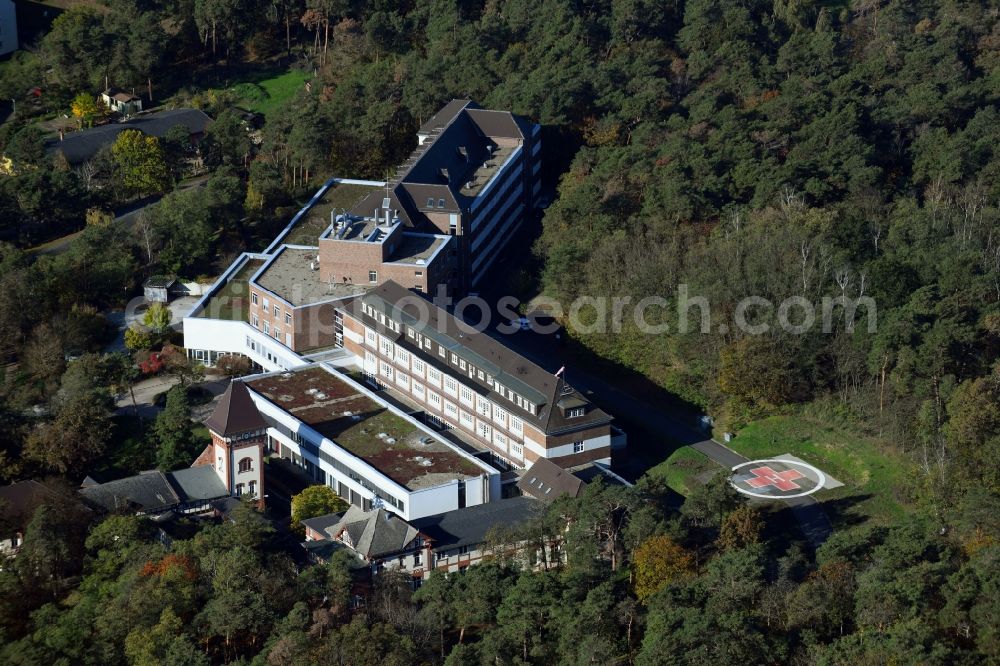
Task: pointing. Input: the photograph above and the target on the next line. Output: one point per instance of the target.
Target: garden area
(266, 95)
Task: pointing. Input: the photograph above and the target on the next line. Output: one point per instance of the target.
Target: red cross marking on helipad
(765, 476)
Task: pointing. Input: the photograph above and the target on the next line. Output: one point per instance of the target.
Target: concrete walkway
(813, 521)
(145, 392)
(122, 319)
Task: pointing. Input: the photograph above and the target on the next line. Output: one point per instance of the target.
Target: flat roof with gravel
(290, 276)
(416, 248)
(365, 427)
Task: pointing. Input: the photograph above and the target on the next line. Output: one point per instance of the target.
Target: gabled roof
(322, 523)
(236, 412)
(160, 281)
(547, 481)
(372, 534)
(446, 114)
(78, 147)
(198, 483)
(498, 123)
(18, 501)
(469, 526)
(508, 368)
(459, 154)
(120, 95)
(156, 492)
(149, 492)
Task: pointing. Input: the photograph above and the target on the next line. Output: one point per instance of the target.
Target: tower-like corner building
(239, 434)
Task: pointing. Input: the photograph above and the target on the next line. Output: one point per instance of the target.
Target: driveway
(146, 391)
(126, 217)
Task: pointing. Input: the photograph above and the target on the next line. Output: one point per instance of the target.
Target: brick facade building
(470, 382)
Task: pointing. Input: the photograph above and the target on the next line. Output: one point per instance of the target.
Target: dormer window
(575, 412)
(440, 203)
(430, 202)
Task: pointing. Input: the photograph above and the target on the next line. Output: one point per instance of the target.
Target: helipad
(777, 478)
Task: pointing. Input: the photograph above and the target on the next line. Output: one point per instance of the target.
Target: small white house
(120, 101)
(8, 27)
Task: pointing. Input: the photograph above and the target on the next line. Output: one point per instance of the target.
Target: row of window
(451, 386)
(272, 332)
(481, 428)
(444, 555)
(380, 317)
(266, 352)
(276, 310)
(482, 406)
(457, 361)
(317, 451)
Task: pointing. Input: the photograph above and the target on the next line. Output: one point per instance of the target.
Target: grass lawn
(680, 470)
(267, 95)
(871, 477)
(873, 480)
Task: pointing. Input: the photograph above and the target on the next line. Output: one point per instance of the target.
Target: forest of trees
(768, 148)
(708, 584)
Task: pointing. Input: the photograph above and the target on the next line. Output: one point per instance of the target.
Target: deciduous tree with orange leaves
(658, 561)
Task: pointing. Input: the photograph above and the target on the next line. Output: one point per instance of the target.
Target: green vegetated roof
(232, 301)
(364, 427)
